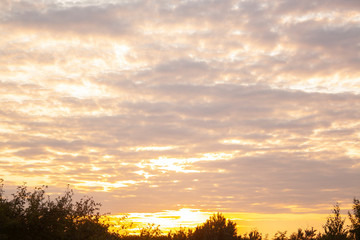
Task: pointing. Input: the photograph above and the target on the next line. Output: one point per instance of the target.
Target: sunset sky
(177, 109)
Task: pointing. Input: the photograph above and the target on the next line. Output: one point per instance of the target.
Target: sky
(168, 108)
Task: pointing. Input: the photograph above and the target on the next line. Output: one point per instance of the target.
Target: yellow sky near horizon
(241, 107)
(266, 224)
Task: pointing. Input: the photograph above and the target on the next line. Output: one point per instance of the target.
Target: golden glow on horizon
(189, 218)
(168, 219)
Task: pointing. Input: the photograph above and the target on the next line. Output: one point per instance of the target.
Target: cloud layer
(239, 106)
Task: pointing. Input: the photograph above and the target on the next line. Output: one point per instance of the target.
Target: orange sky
(242, 107)
(246, 222)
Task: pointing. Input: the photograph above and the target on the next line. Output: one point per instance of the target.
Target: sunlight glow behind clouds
(209, 105)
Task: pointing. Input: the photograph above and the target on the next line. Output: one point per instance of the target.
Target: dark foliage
(280, 236)
(150, 232)
(307, 234)
(334, 227)
(217, 227)
(355, 220)
(33, 215)
(181, 234)
(253, 235)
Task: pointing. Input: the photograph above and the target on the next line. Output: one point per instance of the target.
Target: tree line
(34, 215)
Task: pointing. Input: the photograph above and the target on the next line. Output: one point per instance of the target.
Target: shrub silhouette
(217, 227)
(253, 235)
(308, 234)
(280, 236)
(334, 227)
(181, 234)
(150, 231)
(33, 215)
(355, 220)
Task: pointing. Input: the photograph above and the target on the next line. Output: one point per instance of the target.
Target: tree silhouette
(334, 226)
(308, 234)
(33, 215)
(150, 231)
(355, 220)
(280, 236)
(253, 235)
(217, 227)
(181, 234)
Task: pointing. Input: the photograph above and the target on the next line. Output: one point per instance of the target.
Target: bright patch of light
(237, 141)
(353, 152)
(120, 54)
(190, 215)
(153, 148)
(84, 90)
(182, 164)
(62, 153)
(171, 219)
(106, 186)
(94, 168)
(317, 16)
(143, 173)
(336, 83)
